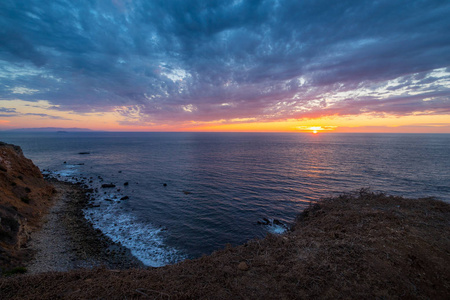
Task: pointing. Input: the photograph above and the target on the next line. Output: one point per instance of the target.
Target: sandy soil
(67, 241)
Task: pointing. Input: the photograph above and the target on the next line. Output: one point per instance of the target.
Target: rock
(243, 266)
(126, 183)
(186, 192)
(264, 221)
(164, 184)
(125, 198)
(108, 185)
(83, 153)
(277, 222)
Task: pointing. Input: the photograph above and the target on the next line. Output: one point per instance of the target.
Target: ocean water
(192, 193)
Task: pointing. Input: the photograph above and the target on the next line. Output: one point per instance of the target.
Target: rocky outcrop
(356, 246)
(24, 197)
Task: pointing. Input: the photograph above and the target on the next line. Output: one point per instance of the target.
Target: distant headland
(51, 129)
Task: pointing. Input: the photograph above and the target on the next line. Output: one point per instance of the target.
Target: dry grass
(361, 245)
(24, 198)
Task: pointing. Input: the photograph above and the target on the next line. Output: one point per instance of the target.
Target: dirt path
(67, 241)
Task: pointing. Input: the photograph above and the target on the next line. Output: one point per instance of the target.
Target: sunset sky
(273, 65)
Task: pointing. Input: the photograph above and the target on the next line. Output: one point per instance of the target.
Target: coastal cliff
(355, 246)
(24, 197)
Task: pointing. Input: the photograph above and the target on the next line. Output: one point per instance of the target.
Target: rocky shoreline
(355, 246)
(67, 241)
(358, 245)
(42, 223)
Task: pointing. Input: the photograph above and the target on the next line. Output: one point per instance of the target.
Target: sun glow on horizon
(316, 129)
(23, 114)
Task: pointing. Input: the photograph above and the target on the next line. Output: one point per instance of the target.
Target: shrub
(17, 270)
(25, 200)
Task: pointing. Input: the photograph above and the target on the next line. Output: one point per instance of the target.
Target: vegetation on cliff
(24, 197)
(353, 246)
(359, 245)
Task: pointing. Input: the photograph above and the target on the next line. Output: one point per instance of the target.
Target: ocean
(183, 195)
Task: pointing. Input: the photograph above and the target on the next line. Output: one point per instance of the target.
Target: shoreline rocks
(108, 185)
(81, 245)
(42, 223)
(362, 245)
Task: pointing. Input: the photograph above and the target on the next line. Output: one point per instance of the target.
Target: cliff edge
(24, 197)
(354, 246)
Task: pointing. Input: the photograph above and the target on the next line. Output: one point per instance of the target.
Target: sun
(316, 129)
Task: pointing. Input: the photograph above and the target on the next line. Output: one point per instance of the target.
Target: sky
(269, 65)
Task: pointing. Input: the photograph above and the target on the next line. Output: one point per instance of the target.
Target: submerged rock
(277, 222)
(108, 185)
(264, 221)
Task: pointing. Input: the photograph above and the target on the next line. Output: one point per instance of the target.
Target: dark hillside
(24, 198)
(361, 245)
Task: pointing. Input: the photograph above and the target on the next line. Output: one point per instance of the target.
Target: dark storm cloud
(166, 60)
(12, 112)
(7, 110)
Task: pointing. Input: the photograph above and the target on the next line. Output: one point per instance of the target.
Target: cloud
(418, 128)
(45, 116)
(7, 110)
(12, 112)
(175, 61)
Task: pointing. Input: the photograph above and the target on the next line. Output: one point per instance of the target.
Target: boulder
(108, 185)
(243, 266)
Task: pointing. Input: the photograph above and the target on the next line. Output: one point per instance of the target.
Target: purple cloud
(174, 61)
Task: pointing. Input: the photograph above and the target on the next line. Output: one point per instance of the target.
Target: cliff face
(355, 246)
(24, 197)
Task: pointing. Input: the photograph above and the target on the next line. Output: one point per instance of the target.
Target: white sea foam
(277, 229)
(143, 239)
(69, 170)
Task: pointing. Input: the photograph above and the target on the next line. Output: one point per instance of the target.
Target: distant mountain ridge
(52, 129)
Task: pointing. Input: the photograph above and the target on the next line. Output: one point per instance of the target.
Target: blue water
(219, 185)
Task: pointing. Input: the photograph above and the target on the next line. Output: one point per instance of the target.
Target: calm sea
(192, 193)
